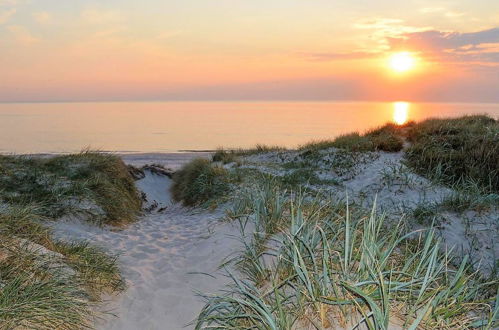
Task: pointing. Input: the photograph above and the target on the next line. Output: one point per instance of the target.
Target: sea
(170, 127)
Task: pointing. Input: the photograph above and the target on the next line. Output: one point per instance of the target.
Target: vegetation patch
(300, 177)
(40, 300)
(461, 201)
(424, 213)
(258, 149)
(46, 284)
(97, 271)
(353, 142)
(225, 156)
(49, 284)
(337, 267)
(386, 138)
(199, 181)
(89, 182)
(457, 151)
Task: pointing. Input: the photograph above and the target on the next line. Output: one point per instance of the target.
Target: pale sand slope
(158, 253)
(398, 191)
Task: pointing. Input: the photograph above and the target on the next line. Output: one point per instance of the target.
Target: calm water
(174, 126)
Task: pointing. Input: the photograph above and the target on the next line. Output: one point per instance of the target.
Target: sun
(402, 62)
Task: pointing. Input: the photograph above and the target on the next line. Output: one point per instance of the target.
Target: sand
(159, 257)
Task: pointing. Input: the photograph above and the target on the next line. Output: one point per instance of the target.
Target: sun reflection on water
(400, 112)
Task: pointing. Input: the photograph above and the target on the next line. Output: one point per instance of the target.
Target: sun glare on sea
(402, 62)
(400, 112)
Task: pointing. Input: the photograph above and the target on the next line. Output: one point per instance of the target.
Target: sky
(85, 50)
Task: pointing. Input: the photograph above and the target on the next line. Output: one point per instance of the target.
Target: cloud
(8, 2)
(42, 17)
(386, 26)
(441, 11)
(375, 43)
(5, 15)
(480, 46)
(381, 28)
(325, 56)
(168, 34)
(22, 35)
(99, 16)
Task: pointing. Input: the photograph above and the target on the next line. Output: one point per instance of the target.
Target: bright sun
(402, 62)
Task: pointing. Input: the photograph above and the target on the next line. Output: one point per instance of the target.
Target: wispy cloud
(387, 26)
(480, 46)
(332, 56)
(22, 35)
(380, 30)
(5, 15)
(101, 16)
(441, 11)
(42, 17)
(166, 35)
(9, 2)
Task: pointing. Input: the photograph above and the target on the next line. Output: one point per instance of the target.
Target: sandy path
(159, 253)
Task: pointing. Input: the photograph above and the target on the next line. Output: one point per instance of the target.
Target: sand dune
(160, 256)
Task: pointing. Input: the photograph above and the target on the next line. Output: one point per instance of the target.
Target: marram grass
(337, 267)
(48, 284)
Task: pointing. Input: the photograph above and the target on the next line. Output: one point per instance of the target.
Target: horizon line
(242, 100)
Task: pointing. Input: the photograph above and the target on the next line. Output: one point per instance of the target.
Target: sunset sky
(82, 50)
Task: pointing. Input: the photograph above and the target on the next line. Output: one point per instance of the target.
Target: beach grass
(259, 148)
(384, 138)
(35, 299)
(199, 181)
(337, 267)
(46, 283)
(462, 151)
(226, 156)
(59, 185)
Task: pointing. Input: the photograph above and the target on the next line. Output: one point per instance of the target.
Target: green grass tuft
(456, 151)
(46, 284)
(258, 149)
(199, 181)
(386, 138)
(225, 156)
(97, 271)
(335, 267)
(59, 184)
